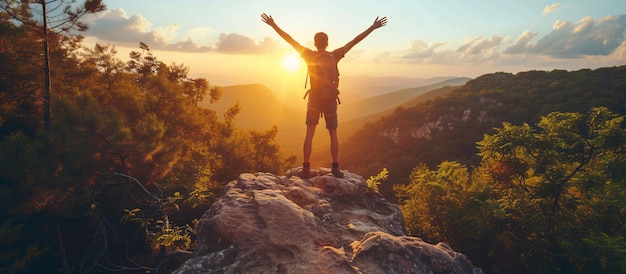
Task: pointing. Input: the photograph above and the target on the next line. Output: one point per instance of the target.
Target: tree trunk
(47, 87)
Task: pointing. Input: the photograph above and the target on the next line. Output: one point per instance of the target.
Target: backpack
(324, 76)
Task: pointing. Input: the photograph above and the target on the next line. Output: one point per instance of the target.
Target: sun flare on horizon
(291, 62)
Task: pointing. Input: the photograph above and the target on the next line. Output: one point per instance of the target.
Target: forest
(127, 164)
(523, 172)
(107, 165)
(470, 111)
(548, 198)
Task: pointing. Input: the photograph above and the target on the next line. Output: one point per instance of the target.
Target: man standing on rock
(322, 67)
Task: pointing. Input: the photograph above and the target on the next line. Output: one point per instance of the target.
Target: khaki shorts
(326, 109)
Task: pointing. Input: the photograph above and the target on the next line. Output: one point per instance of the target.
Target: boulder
(265, 223)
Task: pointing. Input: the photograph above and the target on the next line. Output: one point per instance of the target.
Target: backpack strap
(306, 81)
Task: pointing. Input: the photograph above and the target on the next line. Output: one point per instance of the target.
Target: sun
(291, 62)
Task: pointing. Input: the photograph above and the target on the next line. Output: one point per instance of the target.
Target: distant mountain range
(363, 87)
(261, 109)
(351, 109)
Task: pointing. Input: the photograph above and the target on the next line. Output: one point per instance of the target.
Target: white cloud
(585, 24)
(588, 37)
(551, 8)
(620, 52)
(117, 27)
(521, 45)
(580, 41)
(561, 25)
(585, 42)
(167, 34)
(465, 47)
(486, 45)
(480, 50)
(202, 35)
(474, 51)
(421, 50)
(237, 43)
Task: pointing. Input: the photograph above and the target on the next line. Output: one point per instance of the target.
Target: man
(317, 108)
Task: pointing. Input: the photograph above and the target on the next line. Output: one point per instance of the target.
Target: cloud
(237, 43)
(521, 45)
(585, 24)
(620, 52)
(588, 37)
(476, 50)
(551, 8)
(465, 47)
(117, 27)
(420, 50)
(482, 45)
(480, 50)
(587, 41)
(558, 25)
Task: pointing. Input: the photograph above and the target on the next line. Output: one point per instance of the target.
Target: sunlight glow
(291, 62)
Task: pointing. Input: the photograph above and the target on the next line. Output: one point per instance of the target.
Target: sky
(226, 42)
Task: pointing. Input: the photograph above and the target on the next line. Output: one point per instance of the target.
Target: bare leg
(334, 145)
(334, 152)
(308, 143)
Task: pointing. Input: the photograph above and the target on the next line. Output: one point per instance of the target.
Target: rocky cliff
(264, 223)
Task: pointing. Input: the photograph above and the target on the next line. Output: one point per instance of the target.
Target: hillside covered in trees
(524, 172)
(127, 163)
(448, 127)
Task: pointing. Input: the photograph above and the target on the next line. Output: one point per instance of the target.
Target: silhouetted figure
(317, 105)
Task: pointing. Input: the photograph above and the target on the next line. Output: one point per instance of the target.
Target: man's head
(321, 41)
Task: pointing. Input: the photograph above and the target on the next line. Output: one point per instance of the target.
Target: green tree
(548, 199)
(56, 16)
(557, 167)
(123, 139)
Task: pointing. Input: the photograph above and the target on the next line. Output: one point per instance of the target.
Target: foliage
(374, 181)
(15, 256)
(160, 232)
(127, 135)
(56, 16)
(544, 199)
(447, 127)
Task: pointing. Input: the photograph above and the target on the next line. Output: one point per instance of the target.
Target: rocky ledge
(264, 223)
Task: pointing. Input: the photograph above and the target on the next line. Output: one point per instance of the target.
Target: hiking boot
(305, 172)
(336, 171)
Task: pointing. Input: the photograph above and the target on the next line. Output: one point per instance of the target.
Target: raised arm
(377, 24)
(267, 19)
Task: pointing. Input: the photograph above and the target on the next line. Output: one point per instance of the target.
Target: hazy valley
(363, 99)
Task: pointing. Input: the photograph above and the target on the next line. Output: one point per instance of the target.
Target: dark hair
(321, 39)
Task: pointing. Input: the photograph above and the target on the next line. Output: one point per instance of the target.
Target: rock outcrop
(264, 223)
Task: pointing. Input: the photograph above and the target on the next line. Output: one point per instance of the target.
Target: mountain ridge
(391, 100)
(447, 128)
(362, 87)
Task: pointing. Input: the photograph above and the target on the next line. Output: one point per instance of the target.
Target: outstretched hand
(379, 22)
(267, 19)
